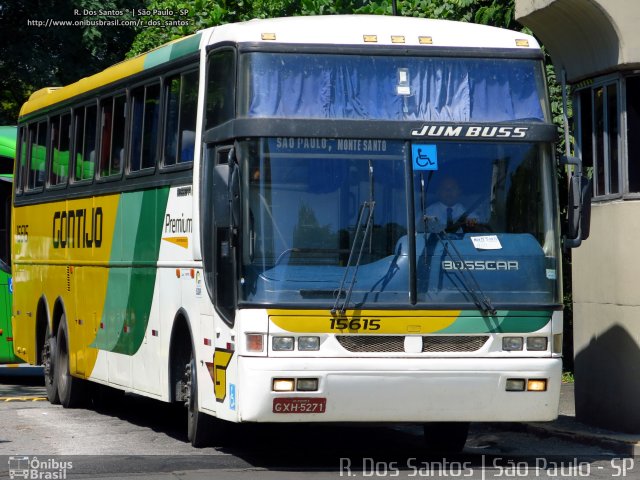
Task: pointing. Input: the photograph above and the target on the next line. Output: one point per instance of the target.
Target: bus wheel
(446, 437)
(70, 389)
(199, 425)
(49, 367)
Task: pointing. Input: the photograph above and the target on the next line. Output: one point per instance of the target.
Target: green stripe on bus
(503, 322)
(130, 290)
(172, 51)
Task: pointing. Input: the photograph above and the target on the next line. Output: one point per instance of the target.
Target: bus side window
(144, 127)
(37, 157)
(220, 95)
(181, 100)
(59, 149)
(113, 118)
(21, 159)
(85, 142)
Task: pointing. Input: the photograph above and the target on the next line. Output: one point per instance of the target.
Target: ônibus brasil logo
(33, 468)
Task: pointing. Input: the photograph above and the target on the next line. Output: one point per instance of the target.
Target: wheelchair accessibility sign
(425, 157)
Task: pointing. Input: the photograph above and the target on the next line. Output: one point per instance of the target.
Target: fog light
(515, 385)
(537, 344)
(537, 385)
(512, 344)
(308, 344)
(283, 384)
(255, 342)
(283, 344)
(307, 385)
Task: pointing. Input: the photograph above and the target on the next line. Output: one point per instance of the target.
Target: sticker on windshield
(486, 242)
(425, 157)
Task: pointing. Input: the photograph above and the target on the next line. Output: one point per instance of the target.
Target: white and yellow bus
(311, 219)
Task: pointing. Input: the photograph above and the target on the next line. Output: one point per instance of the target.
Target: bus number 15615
(371, 324)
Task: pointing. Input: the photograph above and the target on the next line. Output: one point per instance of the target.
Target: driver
(448, 212)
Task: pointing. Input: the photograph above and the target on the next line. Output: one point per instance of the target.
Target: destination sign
(335, 146)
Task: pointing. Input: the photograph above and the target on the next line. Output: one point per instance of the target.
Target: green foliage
(34, 55)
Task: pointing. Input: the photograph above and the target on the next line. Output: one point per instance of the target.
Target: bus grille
(395, 343)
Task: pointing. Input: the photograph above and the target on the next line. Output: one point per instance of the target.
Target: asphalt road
(137, 438)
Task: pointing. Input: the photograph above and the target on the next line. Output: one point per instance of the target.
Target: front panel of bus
(390, 222)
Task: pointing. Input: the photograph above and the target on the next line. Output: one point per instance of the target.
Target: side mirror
(578, 206)
(4, 267)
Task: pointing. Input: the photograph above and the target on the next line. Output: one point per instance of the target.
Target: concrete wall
(585, 37)
(606, 318)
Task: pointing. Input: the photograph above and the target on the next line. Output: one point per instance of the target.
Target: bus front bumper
(398, 390)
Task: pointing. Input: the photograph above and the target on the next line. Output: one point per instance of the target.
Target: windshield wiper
(473, 287)
(363, 230)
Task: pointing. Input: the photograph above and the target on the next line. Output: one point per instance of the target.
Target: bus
(241, 221)
(7, 155)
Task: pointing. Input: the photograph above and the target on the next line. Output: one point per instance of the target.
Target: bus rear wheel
(49, 367)
(199, 425)
(446, 437)
(70, 389)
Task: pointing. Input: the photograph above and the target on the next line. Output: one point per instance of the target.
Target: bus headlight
(282, 344)
(308, 344)
(512, 344)
(537, 344)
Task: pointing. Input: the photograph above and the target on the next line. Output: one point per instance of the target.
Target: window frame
(98, 166)
(36, 122)
(142, 172)
(83, 106)
(616, 80)
(181, 72)
(59, 115)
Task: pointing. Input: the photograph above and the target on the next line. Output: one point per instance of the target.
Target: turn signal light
(255, 342)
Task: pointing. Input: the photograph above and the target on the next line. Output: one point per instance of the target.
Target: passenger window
(22, 161)
(221, 68)
(85, 142)
(37, 158)
(113, 118)
(144, 127)
(181, 101)
(59, 150)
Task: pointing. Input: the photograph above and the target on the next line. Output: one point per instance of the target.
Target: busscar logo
(490, 265)
(469, 131)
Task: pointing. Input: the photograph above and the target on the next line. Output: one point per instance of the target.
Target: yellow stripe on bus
(49, 96)
(399, 322)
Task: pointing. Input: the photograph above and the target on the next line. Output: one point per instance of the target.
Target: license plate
(299, 405)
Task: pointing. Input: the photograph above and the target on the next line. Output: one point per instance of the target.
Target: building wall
(585, 37)
(594, 40)
(606, 318)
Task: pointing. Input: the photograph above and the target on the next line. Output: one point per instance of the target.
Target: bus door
(6, 347)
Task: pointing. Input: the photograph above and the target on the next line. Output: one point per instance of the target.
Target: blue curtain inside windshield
(393, 88)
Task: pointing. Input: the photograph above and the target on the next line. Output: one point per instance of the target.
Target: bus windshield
(485, 219)
(370, 87)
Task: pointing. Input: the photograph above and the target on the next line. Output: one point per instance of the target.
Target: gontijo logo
(79, 228)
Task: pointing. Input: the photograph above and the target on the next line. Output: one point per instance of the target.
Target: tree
(44, 44)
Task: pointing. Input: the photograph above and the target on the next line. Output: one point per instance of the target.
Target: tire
(200, 426)
(70, 389)
(49, 365)
(446, 437)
